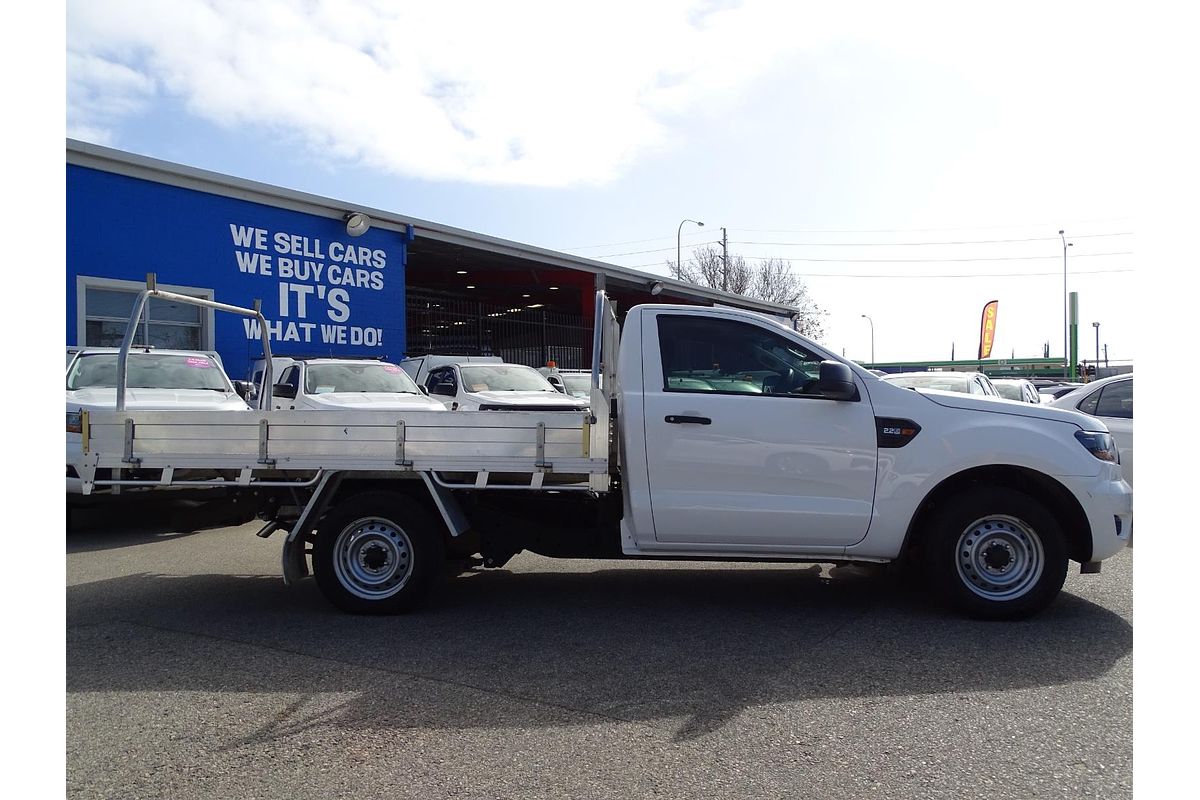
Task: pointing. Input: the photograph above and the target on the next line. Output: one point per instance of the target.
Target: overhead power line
(659, 250)
(935, 230)
(967, 274)
(917, 260)
(632, 241)
(927, 244)
(957, 275)
(1047, 225)
(940, 260)
(863, 244)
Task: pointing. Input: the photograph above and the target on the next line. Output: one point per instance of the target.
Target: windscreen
(148, 371)
(365, 377)
(946, 383)
(578, 385)
(1010, 390)
(504, 378)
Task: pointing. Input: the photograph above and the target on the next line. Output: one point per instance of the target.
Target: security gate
(452, 325)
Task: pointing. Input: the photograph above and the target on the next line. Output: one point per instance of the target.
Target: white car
(962, 382)
(157, 379)
(1111, 400)
(1018, 389)
(573, 382)
(497, 387)
(418, 367)
(316, 384)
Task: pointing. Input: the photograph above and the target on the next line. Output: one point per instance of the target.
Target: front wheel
(996, 553)
(377, 553)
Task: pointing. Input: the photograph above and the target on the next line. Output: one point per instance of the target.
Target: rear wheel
(996, 553)
(377, 553)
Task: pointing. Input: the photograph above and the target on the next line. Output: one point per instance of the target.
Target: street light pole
(868, 319)
(678, 233)
(1096, 325)
(1066, 318)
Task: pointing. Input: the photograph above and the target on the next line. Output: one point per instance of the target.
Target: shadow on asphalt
(536, 649)
(122, 521)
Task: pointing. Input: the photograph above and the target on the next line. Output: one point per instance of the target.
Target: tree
(771, 280)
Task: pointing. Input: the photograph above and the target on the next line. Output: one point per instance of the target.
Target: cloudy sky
(912, 161)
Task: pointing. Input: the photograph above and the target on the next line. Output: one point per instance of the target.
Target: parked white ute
(573, 382)
(719, 434)
(324, 384)
(497, 387)
(166, 380)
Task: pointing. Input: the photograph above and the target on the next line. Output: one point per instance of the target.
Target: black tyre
(996, 553)
(378, 553)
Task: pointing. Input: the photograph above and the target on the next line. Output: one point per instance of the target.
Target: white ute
(497, 387)
(158, 379)
(328, 384)
(718, 434)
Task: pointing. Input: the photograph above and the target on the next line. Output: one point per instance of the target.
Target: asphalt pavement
(193, 672)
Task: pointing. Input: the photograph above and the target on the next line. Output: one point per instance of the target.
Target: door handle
(675, 419)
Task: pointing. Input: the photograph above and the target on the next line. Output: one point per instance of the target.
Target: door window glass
(1116, 400)
(1088, 406)
(441, 381)
(291, 377)
(729, 357)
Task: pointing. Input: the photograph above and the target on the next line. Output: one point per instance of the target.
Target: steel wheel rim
(372, 558)
(999, 557)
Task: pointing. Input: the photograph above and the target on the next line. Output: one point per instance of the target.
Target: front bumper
(1108, 502)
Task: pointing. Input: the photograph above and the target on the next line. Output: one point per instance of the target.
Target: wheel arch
(1057, 498)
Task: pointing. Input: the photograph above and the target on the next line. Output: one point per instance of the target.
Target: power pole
(1106, 356)
(724, 261)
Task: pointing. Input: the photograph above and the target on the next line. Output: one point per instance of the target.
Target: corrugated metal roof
(120, 162)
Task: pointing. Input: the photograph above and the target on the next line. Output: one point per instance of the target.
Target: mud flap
(295, 565)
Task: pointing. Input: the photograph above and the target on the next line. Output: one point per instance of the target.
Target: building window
(105, 306)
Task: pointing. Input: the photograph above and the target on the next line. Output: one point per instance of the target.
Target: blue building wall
(322, 291)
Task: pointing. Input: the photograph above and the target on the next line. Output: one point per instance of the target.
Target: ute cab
(323, 384)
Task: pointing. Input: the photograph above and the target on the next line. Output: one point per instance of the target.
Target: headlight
(74, 422)
(1100, 445)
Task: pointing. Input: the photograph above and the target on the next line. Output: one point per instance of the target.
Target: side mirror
(444, 389)
(836, 381)
(244, 389)
(423, 389)
(287, 390)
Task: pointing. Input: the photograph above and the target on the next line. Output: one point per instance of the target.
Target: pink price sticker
(199, 363)
(390, 368)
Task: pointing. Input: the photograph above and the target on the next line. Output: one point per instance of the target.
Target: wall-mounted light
(357, 223)
(470, 286)
(656, 288)
(554, 288)
(460, 272)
